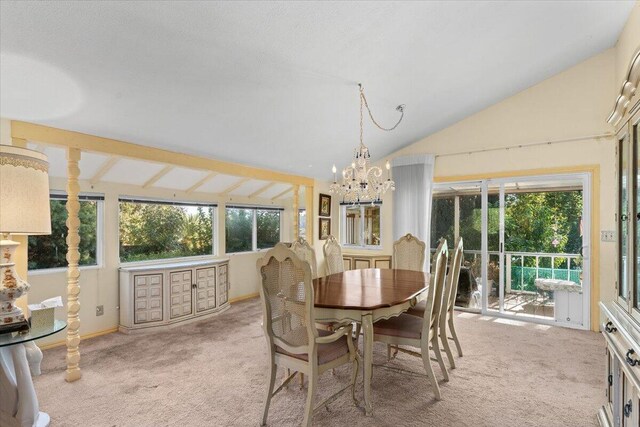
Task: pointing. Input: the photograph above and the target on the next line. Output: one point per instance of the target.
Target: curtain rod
(532, 144)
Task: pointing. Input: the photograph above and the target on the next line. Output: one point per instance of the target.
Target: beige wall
(627, 46)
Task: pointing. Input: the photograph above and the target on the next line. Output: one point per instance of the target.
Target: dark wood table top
(369, 288)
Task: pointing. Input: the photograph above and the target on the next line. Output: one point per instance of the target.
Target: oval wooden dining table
(366, 296)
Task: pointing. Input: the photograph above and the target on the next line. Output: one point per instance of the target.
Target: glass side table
(20, 358)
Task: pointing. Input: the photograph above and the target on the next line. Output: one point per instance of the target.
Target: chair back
(451, 284)
(286, 293)
(436, 289)
(306, 253)
(408, 253)
(333, 255)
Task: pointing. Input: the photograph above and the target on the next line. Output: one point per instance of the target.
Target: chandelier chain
(363, 99)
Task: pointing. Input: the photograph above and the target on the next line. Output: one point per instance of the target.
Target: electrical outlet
(100, 310)
(608, 236)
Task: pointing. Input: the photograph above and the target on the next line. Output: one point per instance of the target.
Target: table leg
(367, 326)
(16, 384)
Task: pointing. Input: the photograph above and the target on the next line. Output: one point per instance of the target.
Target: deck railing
(523, 268)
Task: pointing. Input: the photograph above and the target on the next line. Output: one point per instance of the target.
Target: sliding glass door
(526, 243)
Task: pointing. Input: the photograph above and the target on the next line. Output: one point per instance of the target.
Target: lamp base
(12, 287)
(21, 326)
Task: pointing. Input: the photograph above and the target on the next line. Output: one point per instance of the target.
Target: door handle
(631, 361)
(627, 409)
(610, 328)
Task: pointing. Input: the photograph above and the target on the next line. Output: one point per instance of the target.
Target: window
(152, 230)
(250, 228)
(361, 225)
(51, 251)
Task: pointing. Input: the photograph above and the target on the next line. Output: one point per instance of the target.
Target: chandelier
(361, 183)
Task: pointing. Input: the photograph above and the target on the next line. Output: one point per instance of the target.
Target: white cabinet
(568, 306)
(157, 295)
(622, 368)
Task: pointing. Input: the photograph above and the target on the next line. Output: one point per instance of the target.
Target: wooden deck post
(73, 272)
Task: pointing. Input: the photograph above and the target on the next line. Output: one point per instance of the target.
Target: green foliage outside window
(238, 230)
(150, 231)
(50, 251)
(268, 228)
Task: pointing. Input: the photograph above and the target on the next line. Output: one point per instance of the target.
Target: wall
(626, 48)
(99, 285)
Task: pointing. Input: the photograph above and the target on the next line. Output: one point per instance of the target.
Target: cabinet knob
(627, 408)
(609, 327)
(630, 361)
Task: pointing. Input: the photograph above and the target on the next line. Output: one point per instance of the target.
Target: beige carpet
(212, 373)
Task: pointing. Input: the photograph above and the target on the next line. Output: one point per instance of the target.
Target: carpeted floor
(212, 373)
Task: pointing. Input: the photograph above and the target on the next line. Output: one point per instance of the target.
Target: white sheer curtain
(413, 176)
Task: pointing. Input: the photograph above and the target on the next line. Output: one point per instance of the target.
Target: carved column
(310, 210)
(296, 212)
(73, 272)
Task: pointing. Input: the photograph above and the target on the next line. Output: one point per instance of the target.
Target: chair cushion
(418, 309)
(326, 352)
(404, 326)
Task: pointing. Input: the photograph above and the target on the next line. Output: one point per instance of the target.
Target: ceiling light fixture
(361, 183)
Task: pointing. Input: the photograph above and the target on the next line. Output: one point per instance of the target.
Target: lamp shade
(24, 191)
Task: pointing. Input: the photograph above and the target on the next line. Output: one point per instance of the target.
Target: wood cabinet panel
(223, 284)
(206, 289)
(180, 293)
(147, 296)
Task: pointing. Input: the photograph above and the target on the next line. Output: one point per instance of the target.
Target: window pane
(239, 230)
(151, 231)
(51, 251)
(268, 224)
(636, 162)
(352, 225)
(442, 220)
(372, 225)
(623, 211)
(471, 222)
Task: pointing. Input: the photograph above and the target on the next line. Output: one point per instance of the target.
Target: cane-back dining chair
(408, 253)
(422, 333)
(305, 252)
(293, 342)
(333, 255)
(447, 315)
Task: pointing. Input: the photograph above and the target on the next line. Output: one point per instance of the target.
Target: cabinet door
(347, 263)
(223, 284)
(362, 263)
(609, 372)
(629, 404)
(180, 293)
(382, 263)
(147, 298)
(205, 289)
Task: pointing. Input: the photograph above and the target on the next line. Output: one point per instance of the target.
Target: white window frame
(254, 227)
(99, 237)
(343, 228)
(214, 229)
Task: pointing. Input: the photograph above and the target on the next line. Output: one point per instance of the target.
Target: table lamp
(24, 210)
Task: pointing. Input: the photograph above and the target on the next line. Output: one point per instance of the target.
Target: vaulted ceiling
(273, 84)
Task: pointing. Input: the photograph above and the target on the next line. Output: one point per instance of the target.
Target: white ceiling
(273, 84)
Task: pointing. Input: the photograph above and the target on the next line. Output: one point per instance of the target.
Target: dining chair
(422, 333)
(333, 255)
(305, 252)
(447, 314)
(293, 341)
(408, 253)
